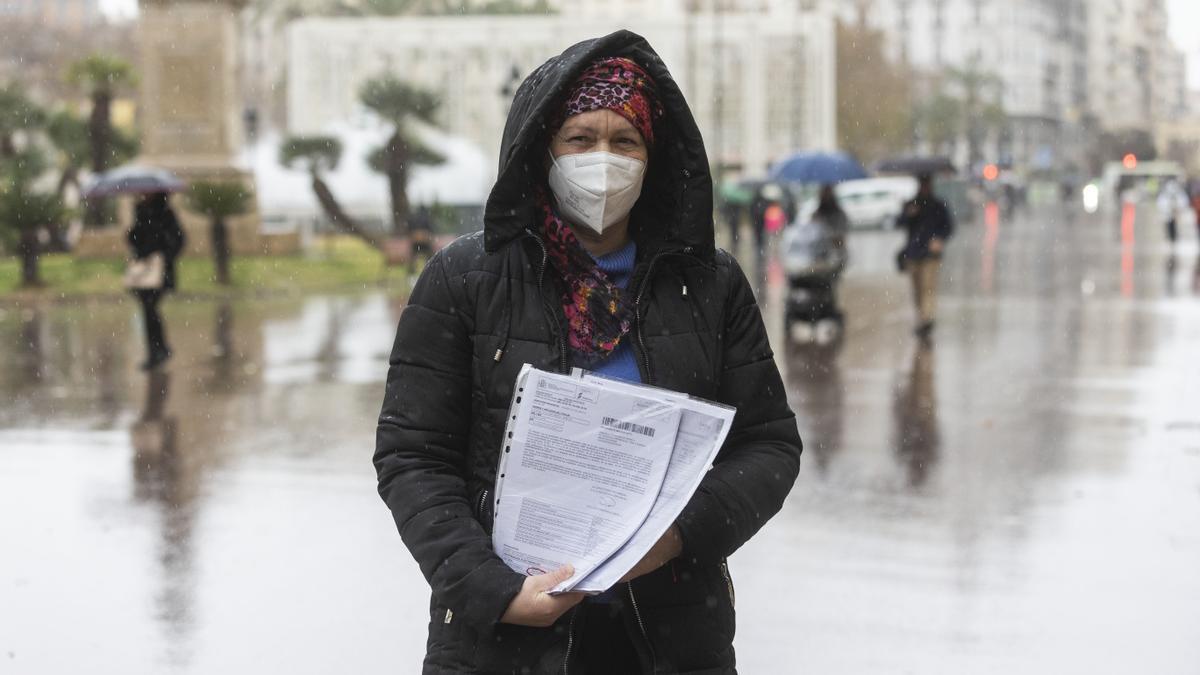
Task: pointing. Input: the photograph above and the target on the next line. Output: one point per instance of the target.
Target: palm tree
(17, 114)
(24, 210)
(69, 134)
(399, 103)
(317, 154)
(219, 200)
(100, 76)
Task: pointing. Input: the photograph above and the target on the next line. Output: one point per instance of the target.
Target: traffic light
(1130, 161)
(991, 172)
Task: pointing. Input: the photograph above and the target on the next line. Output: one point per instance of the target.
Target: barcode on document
(628, 426)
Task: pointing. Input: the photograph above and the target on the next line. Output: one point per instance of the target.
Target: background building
(68, 15)
(1036, 49)
(1070, 70)
(760, 76)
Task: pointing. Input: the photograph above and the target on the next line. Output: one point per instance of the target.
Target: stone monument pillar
(189, 106)
(188, 102)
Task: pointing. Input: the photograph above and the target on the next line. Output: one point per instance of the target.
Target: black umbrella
(916, 165)
(133, 179)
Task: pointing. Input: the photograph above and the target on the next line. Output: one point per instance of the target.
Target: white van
(869, 202)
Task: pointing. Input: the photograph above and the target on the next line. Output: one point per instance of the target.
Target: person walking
(597, 251)
(833, 221)
(771, 210)
(832, 217)
(1194, 199)
(928, 224)
(1172, 202)
(155, 232)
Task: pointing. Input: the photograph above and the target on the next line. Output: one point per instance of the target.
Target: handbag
(145, 273)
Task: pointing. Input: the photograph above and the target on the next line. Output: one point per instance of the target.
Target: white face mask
(596, 189)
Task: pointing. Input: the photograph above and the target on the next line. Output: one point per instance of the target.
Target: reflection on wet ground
(1023, 495)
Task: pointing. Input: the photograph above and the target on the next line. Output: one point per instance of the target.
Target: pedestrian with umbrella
(155, 241)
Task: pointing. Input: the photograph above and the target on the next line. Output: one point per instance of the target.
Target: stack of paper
(594, 471)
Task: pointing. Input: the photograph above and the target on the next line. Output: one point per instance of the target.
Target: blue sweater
(621, 364)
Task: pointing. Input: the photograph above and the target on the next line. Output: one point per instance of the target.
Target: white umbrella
(133, 179)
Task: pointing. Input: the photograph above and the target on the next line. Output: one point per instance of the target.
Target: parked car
(870, 202)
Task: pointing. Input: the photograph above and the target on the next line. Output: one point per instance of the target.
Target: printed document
(580, 471)
(594, 471)
(703, 427)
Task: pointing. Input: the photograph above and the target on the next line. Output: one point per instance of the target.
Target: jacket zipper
(637, 614)
(637, 309)
(482, 501)
(560, 333)
(648, 376)
(728, 582)
(570, 640)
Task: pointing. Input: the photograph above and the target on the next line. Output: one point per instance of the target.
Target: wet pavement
(1021, 496)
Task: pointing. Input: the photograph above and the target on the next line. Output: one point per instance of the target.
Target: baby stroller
(813, 257)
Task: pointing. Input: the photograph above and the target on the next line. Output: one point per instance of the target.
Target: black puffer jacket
(486, 304)
(156, 230)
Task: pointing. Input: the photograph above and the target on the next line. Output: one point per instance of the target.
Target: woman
(597, 251)
(156, 230)
(831, 217)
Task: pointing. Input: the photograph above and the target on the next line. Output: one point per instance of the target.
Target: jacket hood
(675, 209)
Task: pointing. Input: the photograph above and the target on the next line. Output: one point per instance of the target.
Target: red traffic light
(1130, 161)
(991, 172)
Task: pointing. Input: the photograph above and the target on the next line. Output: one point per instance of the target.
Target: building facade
(1037, 50)
(66, 15)
(1070, 69)
(760, 80)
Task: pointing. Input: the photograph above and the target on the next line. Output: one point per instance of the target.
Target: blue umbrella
(133, 179)
(817, 167)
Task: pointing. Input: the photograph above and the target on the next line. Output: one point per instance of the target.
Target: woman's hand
(935, 245)
(534, 606)
(664, 550)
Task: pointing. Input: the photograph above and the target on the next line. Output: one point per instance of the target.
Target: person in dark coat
(630, 286)
(929, 224)
(156, 230)
(770, 196)
(830, 215)
(771, 201)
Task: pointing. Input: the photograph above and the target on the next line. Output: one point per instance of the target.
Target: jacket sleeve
(421, 445)
(760, 460)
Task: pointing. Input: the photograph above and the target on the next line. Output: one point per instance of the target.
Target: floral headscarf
(598, 314)
(620, 85)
